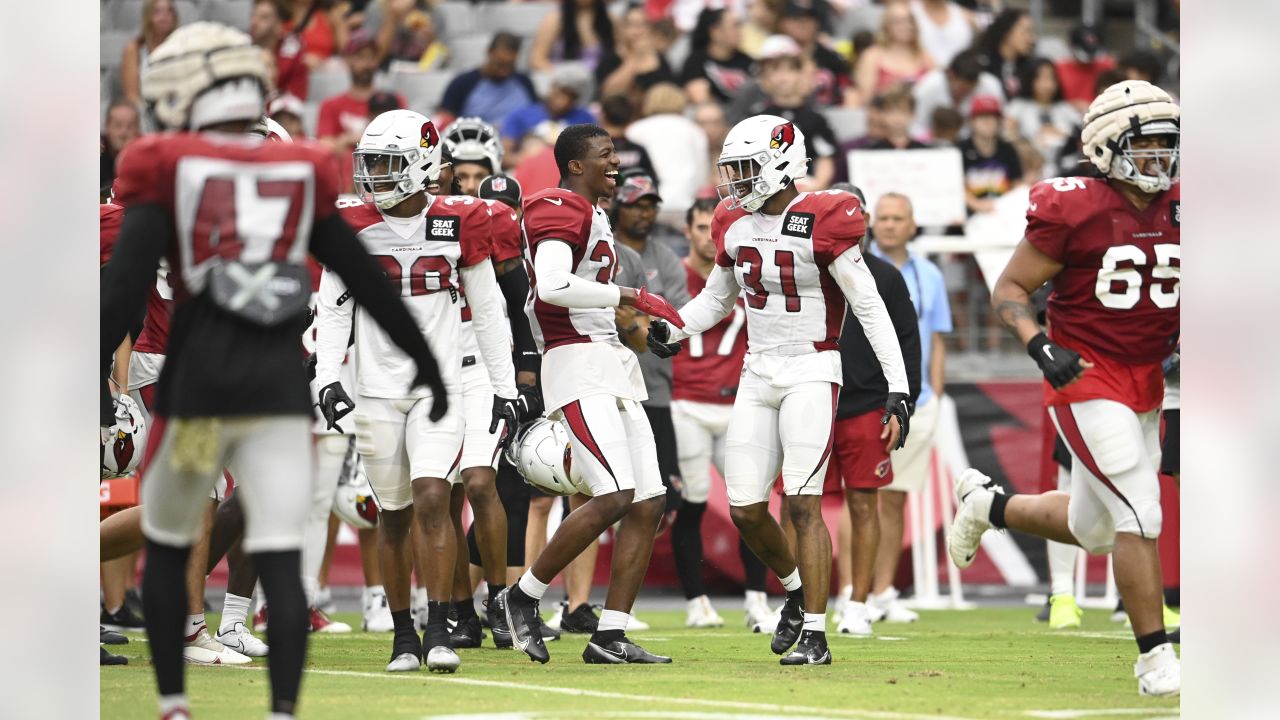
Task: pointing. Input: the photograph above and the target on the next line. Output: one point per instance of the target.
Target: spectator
(343, 118)
(786, 86)
(945, 126)
(318, 27)
(408, 32)
(676, 144)
(711, 119)
(1039, 113)
(946, 28)
(896, 60)
(762, 21)
(580, 30)
(159, 18)
(716, 68)
(1142, 65)
(1079, 73)
(288, 111)
(266, 29)
(1006, 47)
(121, 125)
(954, 87)
(801, 21)
(570, 87)
(898, 107)
(637, 65)
(991, 165)
(617, 114)
(492, 91)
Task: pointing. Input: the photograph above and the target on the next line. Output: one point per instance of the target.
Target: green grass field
(990, 663)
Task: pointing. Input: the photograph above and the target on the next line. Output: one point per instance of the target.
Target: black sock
(752, 567)
(996, 516)
(438, 613)
(602, 637)
(494, 591)
(518, 595)
(164, 602)
(797, 595)
(1147, 643)
(281, 576)
(402, 621)
(466, 609)
(686, 544)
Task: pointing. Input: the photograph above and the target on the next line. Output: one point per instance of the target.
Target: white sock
(1062, 568)
(169, 703)
(815, 621)
(846, 592)
(792, 581)
(755, 596)
(613, 620)
(420, 597)
(194, 623)
(311, 587)
(533, 587)
(234, 610)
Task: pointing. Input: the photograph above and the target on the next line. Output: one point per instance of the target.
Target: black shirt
(865, 388)
(990, 175)
(726, 77)
(632, 155)
(644, 81)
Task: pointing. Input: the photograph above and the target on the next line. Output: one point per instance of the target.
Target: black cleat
(582, 620)
(620, 652)
(790, 624)
(110, 637)
(123, 619)
(812, 650)
(106, 658)
(497, 622)
(1043, 615)
(521, 612)
(466, 634)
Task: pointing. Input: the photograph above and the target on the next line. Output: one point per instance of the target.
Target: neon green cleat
(1064, 613)
(1172, 619)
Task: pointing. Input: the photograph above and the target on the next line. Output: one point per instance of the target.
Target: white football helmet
(1122, 112)
(272, 130)
(398, 153)
(761, 155)
(124, 442)
(205, 73)
(471, 139)
(543, 454)
(354, 501)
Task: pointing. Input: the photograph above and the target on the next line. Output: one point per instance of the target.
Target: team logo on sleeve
(1175, 213)
(798, 224)
(783, 137)
(430, 138)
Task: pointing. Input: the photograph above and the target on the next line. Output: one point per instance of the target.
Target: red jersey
(340, 115)
(1116, 299)
(110, 218)
(507, 242)
(710, 367)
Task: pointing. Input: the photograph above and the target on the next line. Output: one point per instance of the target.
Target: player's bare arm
(1028, 269)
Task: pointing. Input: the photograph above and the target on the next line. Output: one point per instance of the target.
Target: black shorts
(1169, 445)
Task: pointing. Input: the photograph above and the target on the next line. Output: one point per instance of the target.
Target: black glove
(530, 401)
(507, 409)
(429, 375)
(659, 340)
(310, 367)
(330, 396)
(1059, 365)
(897, 406)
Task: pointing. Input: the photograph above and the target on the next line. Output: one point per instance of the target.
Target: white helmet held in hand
(761, 155)
(1123, 112)
(123, 443)
(354, 501)
(205, 73)
(541, 451)
(272, 130)
(471, 139)
(398, 153)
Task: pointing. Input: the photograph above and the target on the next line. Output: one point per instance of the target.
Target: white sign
(933, 179)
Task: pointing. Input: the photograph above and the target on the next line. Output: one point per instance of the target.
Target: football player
(426, 244)
(594, 382)
(796, 255)
(235, 217)
(1111, 246)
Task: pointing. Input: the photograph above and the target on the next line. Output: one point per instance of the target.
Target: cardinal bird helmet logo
(783, 137)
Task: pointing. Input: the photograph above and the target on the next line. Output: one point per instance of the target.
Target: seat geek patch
(444, 228)
(798, 224)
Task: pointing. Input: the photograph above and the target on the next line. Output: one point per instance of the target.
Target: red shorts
(859, 457)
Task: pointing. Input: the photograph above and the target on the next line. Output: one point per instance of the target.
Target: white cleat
(973, 508)
(636, 624)
(702, 615)
(377, 613)
(757, 610)
(769, 623)
(442, 659)
(886, 606)
(1159, 672)
(404, 662)
(856, 621)
(554, 622)
(238, 638)
(841, 602)
(204, 650)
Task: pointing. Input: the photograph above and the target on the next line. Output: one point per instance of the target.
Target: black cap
(381, 102)
(636, 186)
(815, 9)
(1085, 41)
(503, 188)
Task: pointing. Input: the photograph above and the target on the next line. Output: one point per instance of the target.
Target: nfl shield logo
(499, 184)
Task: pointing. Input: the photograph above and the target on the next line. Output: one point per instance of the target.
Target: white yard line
(1104, 712)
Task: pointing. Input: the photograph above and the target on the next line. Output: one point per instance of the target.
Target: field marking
(1105, 712)
(1112, 635)
(605, 695)
(660, 715)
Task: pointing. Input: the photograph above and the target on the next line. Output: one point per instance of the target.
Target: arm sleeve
(126, 281)
(334, 310)
(905, 323)
(711, 306)
(514, 284)
(486, 318)
(335, 245)
(558, 286)
(859, 288)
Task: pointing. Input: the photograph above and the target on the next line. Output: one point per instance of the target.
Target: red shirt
(1116, 299)
(110, 218)
(292, 73)
(709, 368)
(507, 242)
(339, 115)
(1079, 79)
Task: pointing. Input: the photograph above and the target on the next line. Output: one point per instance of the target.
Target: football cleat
(556, 617)
(620, 652)
(1159, 672)
(260, 619)
(790, 623)
(856, 620)
(404, 662)
(1064, 613)
(549, 634)
(582, 620)
(106, 658)
(701, 614)
(406, 654)
(886, 606)
(526, 626)
(443, 659)
(201, 649)
(497, 624)
(973, 508)
(377, 613)
(1172, 618)
(757, 611)
(111, 637)
(324, 601)
(1043, 615)
(635, 623)
(238, 638)
(122, 620)
(1119, 614)
(811, 650)
(466, 634)
(322, 624)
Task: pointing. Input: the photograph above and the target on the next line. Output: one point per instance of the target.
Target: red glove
(656, 306)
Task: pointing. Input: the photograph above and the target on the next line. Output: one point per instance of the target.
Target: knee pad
(1096, 535)
(1145, 519)
(1116, 447)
